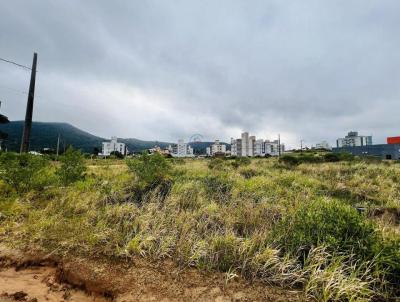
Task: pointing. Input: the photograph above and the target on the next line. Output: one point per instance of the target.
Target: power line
(12, 89)
(14, 63)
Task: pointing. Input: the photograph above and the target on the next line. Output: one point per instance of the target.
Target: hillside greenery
(330, 228)
(44, 135)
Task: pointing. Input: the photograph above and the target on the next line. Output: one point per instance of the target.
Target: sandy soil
(39, 284)
(35, 276)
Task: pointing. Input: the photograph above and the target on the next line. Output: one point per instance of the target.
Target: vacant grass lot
(329, 228)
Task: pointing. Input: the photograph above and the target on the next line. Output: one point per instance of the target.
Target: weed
(218, 187)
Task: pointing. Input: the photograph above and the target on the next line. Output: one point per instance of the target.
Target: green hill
(44, 135)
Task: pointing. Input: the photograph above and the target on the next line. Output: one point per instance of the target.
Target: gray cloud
(167, 69)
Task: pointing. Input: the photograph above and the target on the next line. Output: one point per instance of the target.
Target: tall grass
(296, 227)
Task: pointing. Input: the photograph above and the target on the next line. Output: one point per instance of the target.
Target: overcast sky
(164, 70)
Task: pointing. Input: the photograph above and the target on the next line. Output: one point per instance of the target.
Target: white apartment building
(250, 146)
(267, 147)
(272, 148)
(352, 139)
(181, 149)
(216, 148)
(236, 147)
(113, 146)
(323, 145)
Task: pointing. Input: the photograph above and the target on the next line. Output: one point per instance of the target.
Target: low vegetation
(327, 224)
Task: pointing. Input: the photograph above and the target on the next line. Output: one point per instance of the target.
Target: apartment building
(113, 146)
(352, 139)
(181, 149)
(250, 146)
(323, 145)
(272, 148)
(216, 149)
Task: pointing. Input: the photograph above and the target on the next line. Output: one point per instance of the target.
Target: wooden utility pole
(279, 145)
(29, 109)
(58, 144)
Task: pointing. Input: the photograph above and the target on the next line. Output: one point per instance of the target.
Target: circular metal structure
(196, 138)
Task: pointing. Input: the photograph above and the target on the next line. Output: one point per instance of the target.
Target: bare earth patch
(35, 276)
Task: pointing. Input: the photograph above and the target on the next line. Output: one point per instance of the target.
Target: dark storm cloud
(167, 69)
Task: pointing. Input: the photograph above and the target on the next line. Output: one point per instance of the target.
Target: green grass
(294, 226)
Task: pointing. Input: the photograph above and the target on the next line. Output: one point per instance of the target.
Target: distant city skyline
(309, 70)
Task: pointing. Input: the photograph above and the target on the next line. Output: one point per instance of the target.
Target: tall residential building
(250, 146)
(352, 139)
(181, 149)
(236, 147)
(216, 148)
(113, 146)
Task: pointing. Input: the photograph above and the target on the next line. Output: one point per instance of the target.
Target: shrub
(72, 166)
(24, 171)
(215, 163)
(116, 154)
(150, 169)
(310, 158)
(331, 223)
(346, 156)
(289, 160)
(241, 161)
(153, 171)
(331, 157)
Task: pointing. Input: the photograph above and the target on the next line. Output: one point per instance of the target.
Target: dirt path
(39, 284)
(38, 277)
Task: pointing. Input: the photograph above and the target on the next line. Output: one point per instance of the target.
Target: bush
(343, 231)
(310, 158)
(241, 161)
(345, 156)
(153, 171)
(331, 223)
(289, 160)
(72, 166)
(116, 154)
(331, 157)
(24, 171)
(150, 169)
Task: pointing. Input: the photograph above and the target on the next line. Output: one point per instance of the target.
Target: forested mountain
(44, 135)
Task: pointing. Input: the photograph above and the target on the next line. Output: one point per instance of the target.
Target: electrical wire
(14, 63)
